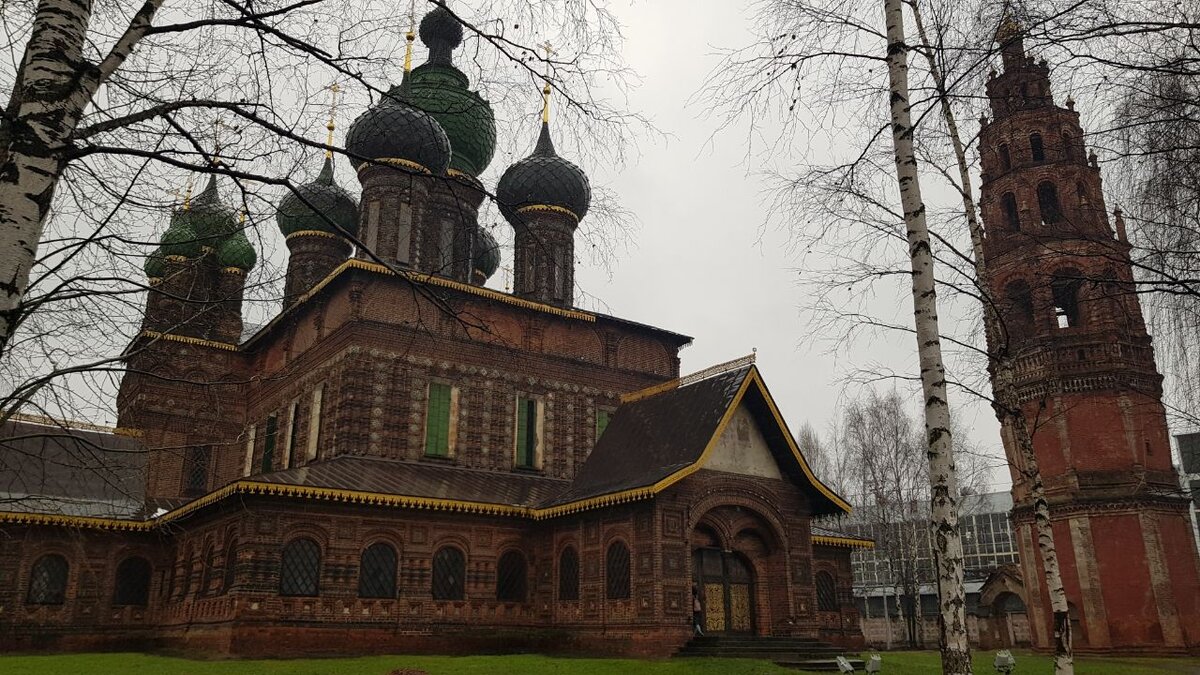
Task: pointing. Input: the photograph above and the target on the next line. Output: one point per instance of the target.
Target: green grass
(896, 663)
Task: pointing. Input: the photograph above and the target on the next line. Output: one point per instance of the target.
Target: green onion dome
(180, 239)
(396, 132)
(237, 252)
(440, 89)
(319, 206)
(486, 258)
(156, 264)
(544, 179)
(211, 220)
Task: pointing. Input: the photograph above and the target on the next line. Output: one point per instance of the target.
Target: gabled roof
(653, 442)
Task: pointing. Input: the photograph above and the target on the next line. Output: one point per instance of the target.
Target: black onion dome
(441, 32)
(312, 207)
(544, 179)
(486, 258)
(392, 129)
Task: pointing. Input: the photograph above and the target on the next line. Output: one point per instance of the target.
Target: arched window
(48, 581)
(209, 573)
(185, 582)
(449, 574)
(1068, 145)
(826, 592)
(300, 568)
(1065, 291)
(377, 571)
(1036, 148)
(1081, 192)
(616, 571)
(1018, 314)
(1005, 157)
(1012, 217)
(510, 577)
(568, 574)
(133, 582)
(1048, 202)
(231, 554)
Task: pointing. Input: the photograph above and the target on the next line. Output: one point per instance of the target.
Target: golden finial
(410, 35)
(549, 49)
(217, 124)
(329, 126)
(187, 192)
(242, 217)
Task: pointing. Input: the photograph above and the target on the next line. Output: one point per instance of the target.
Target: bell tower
(1085, 377)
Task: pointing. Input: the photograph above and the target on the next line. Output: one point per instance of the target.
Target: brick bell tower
(1086, 378)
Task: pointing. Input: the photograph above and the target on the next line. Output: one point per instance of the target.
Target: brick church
(404, 459)
(1086, 379)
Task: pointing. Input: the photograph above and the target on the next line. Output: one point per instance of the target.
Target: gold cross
(334, 89)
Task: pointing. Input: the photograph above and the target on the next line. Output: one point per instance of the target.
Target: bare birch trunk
(1006, 405)
(54, 85)
(947, 542)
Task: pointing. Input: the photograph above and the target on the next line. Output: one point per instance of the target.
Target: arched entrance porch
(739, 572)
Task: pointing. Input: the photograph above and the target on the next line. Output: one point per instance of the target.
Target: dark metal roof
(50, 469)
(650, 439)
(422, 479)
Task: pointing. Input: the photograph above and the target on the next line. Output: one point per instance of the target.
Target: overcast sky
(704, 264)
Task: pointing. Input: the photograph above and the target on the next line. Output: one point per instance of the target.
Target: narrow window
(195, 470)
(293, 433)
(1068, 146)
(510, 577)
(559, 267)
(1012, 217)
(132, 585)
(231, 558)
(568, 574)
(528, 410)
(185, 584)
(249, 465)
(616, 571)
(449, 572)
(1005, 157)
(209, 574)
(48, 581)
(826, 592)
(601, 422)
(300, 568)
(404, 241)
(1048, 202)
(372, 228)
(1036, 148)
(314, 422)
(1065, 290)
(377, 572)
(268, 456)
(437, 420)
(1019, 314)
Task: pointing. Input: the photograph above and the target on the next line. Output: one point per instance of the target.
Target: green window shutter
(268, 456)
(437, 421)
(522, 430)
(601, 422)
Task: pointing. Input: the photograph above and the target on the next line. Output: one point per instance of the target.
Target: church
(404, 459)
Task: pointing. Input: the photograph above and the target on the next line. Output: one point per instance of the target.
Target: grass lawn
(896, 663)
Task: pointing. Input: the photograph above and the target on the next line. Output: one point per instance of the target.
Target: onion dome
(318, 206)
(544, 179)
(156, 264)
(393, 131)
(486, 259)
(207, 217)
(180, 239)
(440, 89)
(237, 252)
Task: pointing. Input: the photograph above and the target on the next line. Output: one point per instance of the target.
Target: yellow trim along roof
(252, 487)
(846, 542)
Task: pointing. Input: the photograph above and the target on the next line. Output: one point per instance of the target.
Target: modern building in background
(1189, 457)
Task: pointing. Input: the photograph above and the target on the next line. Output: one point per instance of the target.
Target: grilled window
(826, 592)
(437, 420)
(449, 573)
(231, 553)
(195, 470)
(300, 568)
(510, 577)
(268, 456)
(568, 575)
(209, 573)
(48, 581)
(133, 582)
(377, 572)
(616, 571)
(527, 433)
